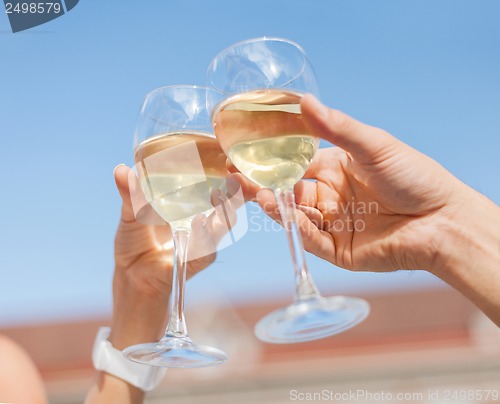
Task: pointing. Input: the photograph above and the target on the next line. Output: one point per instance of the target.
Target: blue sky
(70, 90)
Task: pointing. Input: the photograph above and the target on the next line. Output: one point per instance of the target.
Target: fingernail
(204, 222)
(321, 110)
(116, 168)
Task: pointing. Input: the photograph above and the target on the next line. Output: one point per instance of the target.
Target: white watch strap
(108, 359)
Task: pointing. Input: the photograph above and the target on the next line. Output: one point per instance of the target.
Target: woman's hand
(143, 277)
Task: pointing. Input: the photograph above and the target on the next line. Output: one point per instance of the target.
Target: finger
(136, 207)
(315, 240)
(306, 193)
(313, 214)
(231, 167)
(248, 187)
(221, 221)
(314, 167)
(121, 174)
(267, 202)
(324, 159)
(132, 238)
(365, 143)
(202, 246)
(232, 185)
(306, 199)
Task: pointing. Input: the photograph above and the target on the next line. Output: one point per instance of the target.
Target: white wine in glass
(265, 136)
(178, 189)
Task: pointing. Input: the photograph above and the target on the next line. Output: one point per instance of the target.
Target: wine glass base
(175, 352)
(312, 319)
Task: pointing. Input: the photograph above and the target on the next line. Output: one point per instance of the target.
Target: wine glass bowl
(261, 63)
(257, 119)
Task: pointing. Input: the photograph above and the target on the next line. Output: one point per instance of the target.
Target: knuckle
(340, 120)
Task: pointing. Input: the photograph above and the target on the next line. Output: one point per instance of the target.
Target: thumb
(121, 174)
(365, 143)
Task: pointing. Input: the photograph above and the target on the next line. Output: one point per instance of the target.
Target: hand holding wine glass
(421, 216)
(142, 279)
(143, 269)
(367, 197)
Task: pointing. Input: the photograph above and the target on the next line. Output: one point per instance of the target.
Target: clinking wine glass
(257, 119)
(179, 165)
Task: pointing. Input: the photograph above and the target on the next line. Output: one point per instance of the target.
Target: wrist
(124, 336)
(469, 257)
(138, 315)
(110, 360)
(109, 388)
(470, 230)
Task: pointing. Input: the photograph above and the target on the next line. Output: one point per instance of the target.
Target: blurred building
(430, 346)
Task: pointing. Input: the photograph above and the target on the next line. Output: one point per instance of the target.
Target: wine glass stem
(177, 324)
(304, 285)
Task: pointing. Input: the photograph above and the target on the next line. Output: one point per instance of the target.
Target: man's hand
(377, 204)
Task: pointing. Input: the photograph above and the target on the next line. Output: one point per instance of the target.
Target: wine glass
(179, 165)
(257, 119)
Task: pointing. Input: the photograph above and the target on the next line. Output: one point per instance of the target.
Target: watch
(108, 359)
